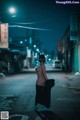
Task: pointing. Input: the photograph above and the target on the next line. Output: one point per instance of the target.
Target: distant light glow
(10, 39)
(42, 53)
(34, 46)
(25, 40)
(37, 50)
(13, 15)
(49, 59)
(30, 40)
(21, 42)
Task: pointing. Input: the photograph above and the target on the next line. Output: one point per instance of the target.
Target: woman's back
(41, 75)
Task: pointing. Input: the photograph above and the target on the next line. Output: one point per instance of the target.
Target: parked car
(57, 64)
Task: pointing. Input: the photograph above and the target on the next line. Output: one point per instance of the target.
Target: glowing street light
(21, 42)
(12, 10)
(49, 59)
(34, 46)
(37, 50)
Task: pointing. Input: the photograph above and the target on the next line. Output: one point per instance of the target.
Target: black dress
(43, 93)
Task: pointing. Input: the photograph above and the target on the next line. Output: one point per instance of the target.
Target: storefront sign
(4, 35)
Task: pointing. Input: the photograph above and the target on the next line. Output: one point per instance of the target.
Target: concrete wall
(76, 62)
(79, 56)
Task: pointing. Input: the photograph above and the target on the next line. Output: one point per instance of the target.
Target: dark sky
(46, 14)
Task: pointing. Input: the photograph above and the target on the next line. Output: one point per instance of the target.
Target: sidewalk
(73, 82)
(30, 70)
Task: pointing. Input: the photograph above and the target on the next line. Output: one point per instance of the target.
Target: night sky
(52, 19)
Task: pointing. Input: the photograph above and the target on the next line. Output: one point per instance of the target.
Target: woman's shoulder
(37, 67)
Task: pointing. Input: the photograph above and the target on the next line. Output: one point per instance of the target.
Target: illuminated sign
(4, 35)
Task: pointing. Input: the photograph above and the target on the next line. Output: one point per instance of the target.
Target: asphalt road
(17, 95)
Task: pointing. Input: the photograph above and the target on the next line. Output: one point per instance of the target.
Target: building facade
(71, 45)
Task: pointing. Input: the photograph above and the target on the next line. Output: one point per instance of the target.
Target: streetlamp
(21, 42)
(37, 50)
(34, 46)
(12, 10)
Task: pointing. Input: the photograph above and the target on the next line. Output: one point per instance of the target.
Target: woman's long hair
(42, 58)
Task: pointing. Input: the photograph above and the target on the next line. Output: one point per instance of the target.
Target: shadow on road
(35, 115)
(48, 115)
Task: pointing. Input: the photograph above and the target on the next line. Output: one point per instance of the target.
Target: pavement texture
(19, 101)
(73, 82)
